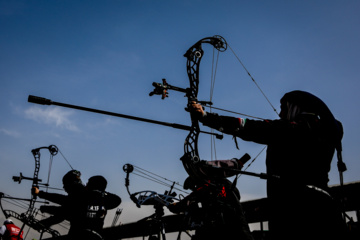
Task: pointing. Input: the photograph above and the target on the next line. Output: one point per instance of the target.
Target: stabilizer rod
(45, 101)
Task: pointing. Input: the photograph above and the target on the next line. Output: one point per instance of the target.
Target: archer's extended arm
(53, 197)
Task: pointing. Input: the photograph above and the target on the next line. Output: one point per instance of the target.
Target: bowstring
(257, 85)
(262, 92)
(214, 66)
(66, 160)
(253, 160)
(50, 167)
(47, 187)
(49, 172)
(213, 77)
(156, 178)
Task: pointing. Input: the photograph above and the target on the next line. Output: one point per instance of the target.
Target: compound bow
(194, 54)
(28, 217)
(148, 197)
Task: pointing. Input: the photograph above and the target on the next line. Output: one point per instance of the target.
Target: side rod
(45, 101)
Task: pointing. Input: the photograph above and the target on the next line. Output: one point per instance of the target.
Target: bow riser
(194, 55)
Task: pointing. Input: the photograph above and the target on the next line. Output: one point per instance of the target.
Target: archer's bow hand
(35, 191)
(196, 109)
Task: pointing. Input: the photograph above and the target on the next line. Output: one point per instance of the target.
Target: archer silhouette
(300, 148)
(84, 206)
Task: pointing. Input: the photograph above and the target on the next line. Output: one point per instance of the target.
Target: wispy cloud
(52, 116)
(10, 132)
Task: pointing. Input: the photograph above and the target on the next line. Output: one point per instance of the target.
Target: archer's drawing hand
(197, 109)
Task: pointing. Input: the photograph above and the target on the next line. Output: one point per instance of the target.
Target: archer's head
(72, 181)
(8, 221)
(96, 183)
(297, 102)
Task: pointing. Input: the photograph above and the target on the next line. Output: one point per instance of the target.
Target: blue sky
(106, 54)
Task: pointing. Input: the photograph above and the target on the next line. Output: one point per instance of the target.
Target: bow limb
(194, 55)
(128, 168)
